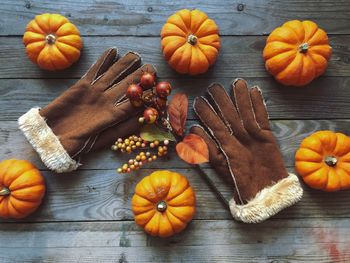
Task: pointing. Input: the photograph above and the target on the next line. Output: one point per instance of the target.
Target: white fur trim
(268, 201)
(45, 142)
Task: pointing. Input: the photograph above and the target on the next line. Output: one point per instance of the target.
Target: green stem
(4, 191)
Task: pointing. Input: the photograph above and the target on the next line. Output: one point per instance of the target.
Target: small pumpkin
(163, 203)
(323, 160)
(297, 52)
(52, 42)
(22, 188)
(190, 41)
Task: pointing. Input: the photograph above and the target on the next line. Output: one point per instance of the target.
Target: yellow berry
(138, 158)
(148, 154)
(114, 147)
(142, 153)
(156, 143)
(150, 159)
(154, 157)
(143, 145)
(120, 170)
(152, 145)
(138, 144)
(128, 149)
(132, 167)
(160, 150)
(125, 166)
(143, 158)
(120, 145)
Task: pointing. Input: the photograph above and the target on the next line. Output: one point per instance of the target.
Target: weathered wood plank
(289, 134)
(203, 241)
(240, 56)
(325, 98)
(96, 195)
(119, 17)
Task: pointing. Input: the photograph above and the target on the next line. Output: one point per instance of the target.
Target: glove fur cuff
(269, 201)
(45, 142)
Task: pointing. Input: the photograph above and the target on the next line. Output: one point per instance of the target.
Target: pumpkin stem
(161, 206)
(192, 39)
(50, 39)
(331, 161)
(4, 191)
(303, 48)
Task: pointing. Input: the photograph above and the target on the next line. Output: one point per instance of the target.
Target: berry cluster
(129, 144)
(154, 101)
(133, 142)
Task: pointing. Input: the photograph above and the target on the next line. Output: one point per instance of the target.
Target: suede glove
(242, 145)
(96, 105)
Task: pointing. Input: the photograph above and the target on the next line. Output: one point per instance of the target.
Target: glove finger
(118, 90)
(244, 105)
(101, 65)
(216, 157)
(212, 121)
(119, 70)
(110, 135)
(259, 107)
(226, 109)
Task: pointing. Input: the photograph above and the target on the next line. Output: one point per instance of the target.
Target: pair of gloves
(95, 111)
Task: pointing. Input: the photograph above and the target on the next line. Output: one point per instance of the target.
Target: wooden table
(86, 215)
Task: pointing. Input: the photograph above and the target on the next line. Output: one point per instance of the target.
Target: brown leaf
(193, 149)
(177, 111)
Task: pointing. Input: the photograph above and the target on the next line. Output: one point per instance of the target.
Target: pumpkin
(22, 188)
(52, 42)
(297, 52)
(190, 41)
(163, 203)
(323, 160)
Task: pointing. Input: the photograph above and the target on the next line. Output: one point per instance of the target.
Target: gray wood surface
(145, 18)
(240, 56)
(316, 240)
(86, 215)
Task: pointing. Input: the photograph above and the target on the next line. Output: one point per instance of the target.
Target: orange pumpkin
(323, 160)
(297, 52)
(163, 203)
(52, 42)
(190, 41)
(22, 188)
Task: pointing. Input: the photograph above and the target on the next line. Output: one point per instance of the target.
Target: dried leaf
(152, 132)
(193, 149)
(177, 111)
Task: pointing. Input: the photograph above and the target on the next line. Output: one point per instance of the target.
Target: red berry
(163, 89)
(150, 115)
(134, 92)
(160, 103)
(148, 80)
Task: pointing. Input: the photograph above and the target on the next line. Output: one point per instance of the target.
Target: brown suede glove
(241, 144)
(70, 124)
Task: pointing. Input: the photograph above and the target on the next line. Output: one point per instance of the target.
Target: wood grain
(299, 240)
(99, 195)
(240, 56)
(325, 98)
(118, 17)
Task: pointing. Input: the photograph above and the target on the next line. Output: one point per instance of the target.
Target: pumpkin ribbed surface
(323, 160)
(163, 203)
(297, 52)
(190, 41)
(52, 42)
(22, 188)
